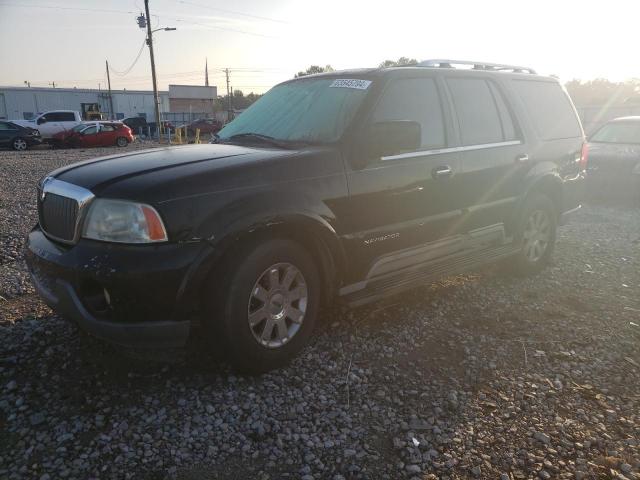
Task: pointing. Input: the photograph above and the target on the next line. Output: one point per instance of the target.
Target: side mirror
(391, 138)
(41, 120)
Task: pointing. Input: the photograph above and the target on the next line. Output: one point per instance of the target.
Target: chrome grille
(58, 216)
(61, 206)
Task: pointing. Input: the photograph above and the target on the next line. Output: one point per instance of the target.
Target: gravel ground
(480, 375)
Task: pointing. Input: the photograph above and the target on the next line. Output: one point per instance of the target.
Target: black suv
(344, 186)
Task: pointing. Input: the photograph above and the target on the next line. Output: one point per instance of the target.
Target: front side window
(414, 99)
(618, 132)
(6, 126)
(309, 110)
(90, 130)
(477, 112)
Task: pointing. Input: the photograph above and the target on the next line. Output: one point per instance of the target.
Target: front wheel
(19, 144)
(268, 311)
(536, 234)
(122, 142)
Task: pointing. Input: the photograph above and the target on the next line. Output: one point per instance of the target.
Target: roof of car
(478, 68)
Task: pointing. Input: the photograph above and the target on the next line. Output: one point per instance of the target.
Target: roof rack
(442, 63)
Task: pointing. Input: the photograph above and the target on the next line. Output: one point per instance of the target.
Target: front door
(7, 133)
(402, 203)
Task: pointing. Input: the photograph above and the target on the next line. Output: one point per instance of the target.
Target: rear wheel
(19, 144)
(536, 234)
(268, 311)
(122, 142)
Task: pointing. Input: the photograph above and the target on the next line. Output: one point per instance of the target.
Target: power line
(233, 12)
(58, 7)
(122, 74)
(213, 27)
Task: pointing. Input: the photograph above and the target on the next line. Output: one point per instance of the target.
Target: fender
(544, 177)
(295, 215)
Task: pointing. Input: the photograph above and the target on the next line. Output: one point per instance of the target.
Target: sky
(264, 42)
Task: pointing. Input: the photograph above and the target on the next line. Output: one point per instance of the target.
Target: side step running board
(398, 282)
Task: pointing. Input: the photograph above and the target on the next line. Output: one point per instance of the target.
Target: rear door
(106, 135)
(398, 203)
(493, 153)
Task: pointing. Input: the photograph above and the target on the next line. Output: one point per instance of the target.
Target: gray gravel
(477, 376)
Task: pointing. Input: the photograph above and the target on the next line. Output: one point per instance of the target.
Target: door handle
(443, 171)
(522, 158)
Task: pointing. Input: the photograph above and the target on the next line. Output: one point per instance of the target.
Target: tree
(313, 69)
(401, 62)
(240, 101)
(604, 92)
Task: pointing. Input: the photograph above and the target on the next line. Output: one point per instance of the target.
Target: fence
(593, 116)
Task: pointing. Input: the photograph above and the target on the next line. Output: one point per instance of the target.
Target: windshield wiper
(257, 136)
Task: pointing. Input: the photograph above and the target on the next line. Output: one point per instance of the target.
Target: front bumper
(137, 296)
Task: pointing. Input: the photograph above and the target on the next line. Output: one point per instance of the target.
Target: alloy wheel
(536, 235)
(19, 144)
(277, 305)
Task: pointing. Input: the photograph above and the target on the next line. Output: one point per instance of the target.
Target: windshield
(314, 110)
(618, 132)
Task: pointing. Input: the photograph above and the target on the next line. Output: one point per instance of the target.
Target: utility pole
(111, 114)
(156, 100)
(226, 71)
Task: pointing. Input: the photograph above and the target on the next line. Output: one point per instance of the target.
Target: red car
(206, 125)
(95, 134)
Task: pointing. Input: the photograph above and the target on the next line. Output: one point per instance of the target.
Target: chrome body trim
(82, 197)
(438, 151)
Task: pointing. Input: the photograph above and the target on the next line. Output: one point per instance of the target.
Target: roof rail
(443, 63)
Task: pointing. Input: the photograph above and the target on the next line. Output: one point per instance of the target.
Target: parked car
(346, 186)
(52, 122)
(614, 161)
(18, 137)
(95, 134)
(206, 125)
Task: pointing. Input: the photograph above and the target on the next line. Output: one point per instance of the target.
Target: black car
(138, 125)
(347, 186)
(614, 161)
(18, 137)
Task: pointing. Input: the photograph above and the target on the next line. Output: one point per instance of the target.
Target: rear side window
(549, 109)
(414, 99)
(477, 111)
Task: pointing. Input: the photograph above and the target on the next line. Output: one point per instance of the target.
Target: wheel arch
(314, 233)
(548, 184)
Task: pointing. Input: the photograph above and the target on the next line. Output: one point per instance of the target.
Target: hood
(147, 170)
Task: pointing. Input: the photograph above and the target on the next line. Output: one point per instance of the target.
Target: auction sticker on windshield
(351, 83)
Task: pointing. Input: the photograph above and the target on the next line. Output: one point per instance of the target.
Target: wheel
(19, 144)
(536, 234)
(269, 309)
(122, 142)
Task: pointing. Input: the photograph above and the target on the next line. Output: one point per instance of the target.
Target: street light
(143, 24)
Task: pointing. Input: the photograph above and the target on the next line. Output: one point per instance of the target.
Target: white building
(25, 102)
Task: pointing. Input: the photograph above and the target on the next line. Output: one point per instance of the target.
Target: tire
(19, 144)
(261, 324)
(122, 142)
(536, 235)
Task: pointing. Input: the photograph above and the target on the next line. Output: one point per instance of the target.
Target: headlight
(122, 221)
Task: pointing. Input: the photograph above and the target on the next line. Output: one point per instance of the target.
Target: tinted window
(7, 126)
(477, 111)
(549, 108)
(618, 132)
(414, 99)
(66, 117)
(508, 127)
